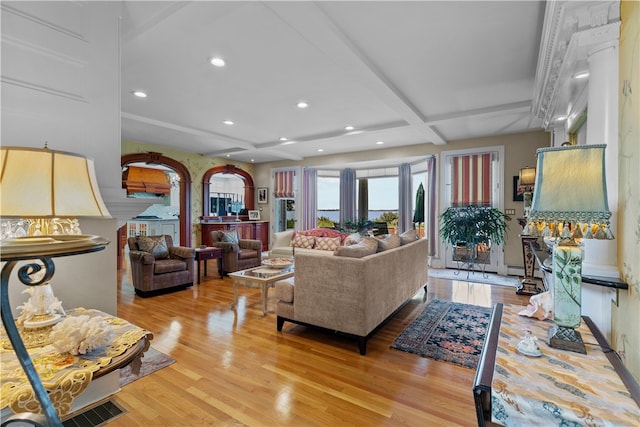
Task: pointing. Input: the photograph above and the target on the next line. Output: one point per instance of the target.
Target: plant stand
(469, 256)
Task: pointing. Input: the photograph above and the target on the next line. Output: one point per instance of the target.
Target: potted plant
(470, 229)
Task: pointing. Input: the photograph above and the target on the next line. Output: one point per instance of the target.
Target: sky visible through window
(383, 192)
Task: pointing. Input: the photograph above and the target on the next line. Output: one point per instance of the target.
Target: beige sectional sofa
(352, 295)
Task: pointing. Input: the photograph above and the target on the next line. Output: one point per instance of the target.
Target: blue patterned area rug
(447, 331)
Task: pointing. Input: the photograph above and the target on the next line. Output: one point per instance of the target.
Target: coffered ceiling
(403, 73)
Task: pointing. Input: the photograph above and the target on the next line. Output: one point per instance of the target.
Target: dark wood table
(205, 254)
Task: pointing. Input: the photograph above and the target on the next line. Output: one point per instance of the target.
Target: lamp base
(565, 338)
(528, 287)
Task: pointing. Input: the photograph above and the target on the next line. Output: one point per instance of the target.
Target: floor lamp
(42, 191)
(569, 204)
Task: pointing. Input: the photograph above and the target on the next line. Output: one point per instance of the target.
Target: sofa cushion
(327, 243)
(169, 266)
(156, 246)
(302, 241)
(282, 238)
(285, 289)
(388, 241)
(230, 236)
(323, 232)
(366, 246)
(408, 237)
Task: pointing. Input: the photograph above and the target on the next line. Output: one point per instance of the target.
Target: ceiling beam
(315, 26)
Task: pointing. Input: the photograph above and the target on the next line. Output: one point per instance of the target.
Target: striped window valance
(283, 184)
(471, 180)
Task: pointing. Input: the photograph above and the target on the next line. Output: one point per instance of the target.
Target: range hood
(139, 180)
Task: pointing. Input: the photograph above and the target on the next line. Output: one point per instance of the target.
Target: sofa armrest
(141, 257)
(256, 245)
(182, 252)
(227, 246)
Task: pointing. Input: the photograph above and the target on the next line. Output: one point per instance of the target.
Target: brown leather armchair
(157, 265)
(245, 254)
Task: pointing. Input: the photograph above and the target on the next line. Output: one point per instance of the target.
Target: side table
(205, 254)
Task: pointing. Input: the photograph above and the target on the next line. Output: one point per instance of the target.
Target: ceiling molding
(234, 142)
(570, 30)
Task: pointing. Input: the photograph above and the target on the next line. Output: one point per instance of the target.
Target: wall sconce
(569, 204)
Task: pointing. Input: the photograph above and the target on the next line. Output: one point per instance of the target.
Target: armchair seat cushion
(169, 266)
(247, 254)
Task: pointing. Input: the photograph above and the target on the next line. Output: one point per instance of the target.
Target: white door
(474, 177)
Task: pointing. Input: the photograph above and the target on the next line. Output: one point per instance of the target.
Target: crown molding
(570, 32)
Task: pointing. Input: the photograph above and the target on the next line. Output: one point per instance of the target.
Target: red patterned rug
(447, 331)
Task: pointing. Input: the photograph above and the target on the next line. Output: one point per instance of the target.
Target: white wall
(61, 84)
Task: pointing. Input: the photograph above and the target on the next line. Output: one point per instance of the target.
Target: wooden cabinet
(256, 230)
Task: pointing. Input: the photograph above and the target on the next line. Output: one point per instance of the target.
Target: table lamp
(42, 192)
(569, 204)
(525, 186)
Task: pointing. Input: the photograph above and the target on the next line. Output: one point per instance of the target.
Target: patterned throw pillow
(327, 243)
(408, 236)
(156, 246)
(300, 241)
(389, 241)
(230, 236)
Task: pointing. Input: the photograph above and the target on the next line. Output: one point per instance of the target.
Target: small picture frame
(254, 215)
(263, 195)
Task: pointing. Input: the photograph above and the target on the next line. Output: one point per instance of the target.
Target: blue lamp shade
(569, 204)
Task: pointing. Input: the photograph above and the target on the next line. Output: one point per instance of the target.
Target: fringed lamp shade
(49, 189)
(570, 196)
(569, 204)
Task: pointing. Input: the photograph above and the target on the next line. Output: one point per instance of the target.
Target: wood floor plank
(233, 368)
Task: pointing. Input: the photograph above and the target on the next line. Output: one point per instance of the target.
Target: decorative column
(601, 256)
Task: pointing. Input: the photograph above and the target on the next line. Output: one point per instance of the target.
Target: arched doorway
(185, 186)
(249, 189)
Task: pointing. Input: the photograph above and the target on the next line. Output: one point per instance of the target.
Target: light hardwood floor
(234, 368)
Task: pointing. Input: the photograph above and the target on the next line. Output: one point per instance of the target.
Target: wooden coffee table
(262, 277)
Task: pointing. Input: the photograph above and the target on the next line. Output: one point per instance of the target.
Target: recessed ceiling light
(253, 160)
(216, 61)
(302, 104)
(139, 93)
(349, 128)
(282, 138)
(320, 150)
(560, 118)
(380, 142)
(228, 155)
(581, 75)
(288, 142)
(228, 122)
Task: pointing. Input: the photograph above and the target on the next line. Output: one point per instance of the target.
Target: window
(329, 197)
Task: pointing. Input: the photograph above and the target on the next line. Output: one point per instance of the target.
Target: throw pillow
(327, 243)
(156, 246)
(230, 236)
(352, 239)
(408, 236)
(388, 241)
(366, 246)
(300, 241)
